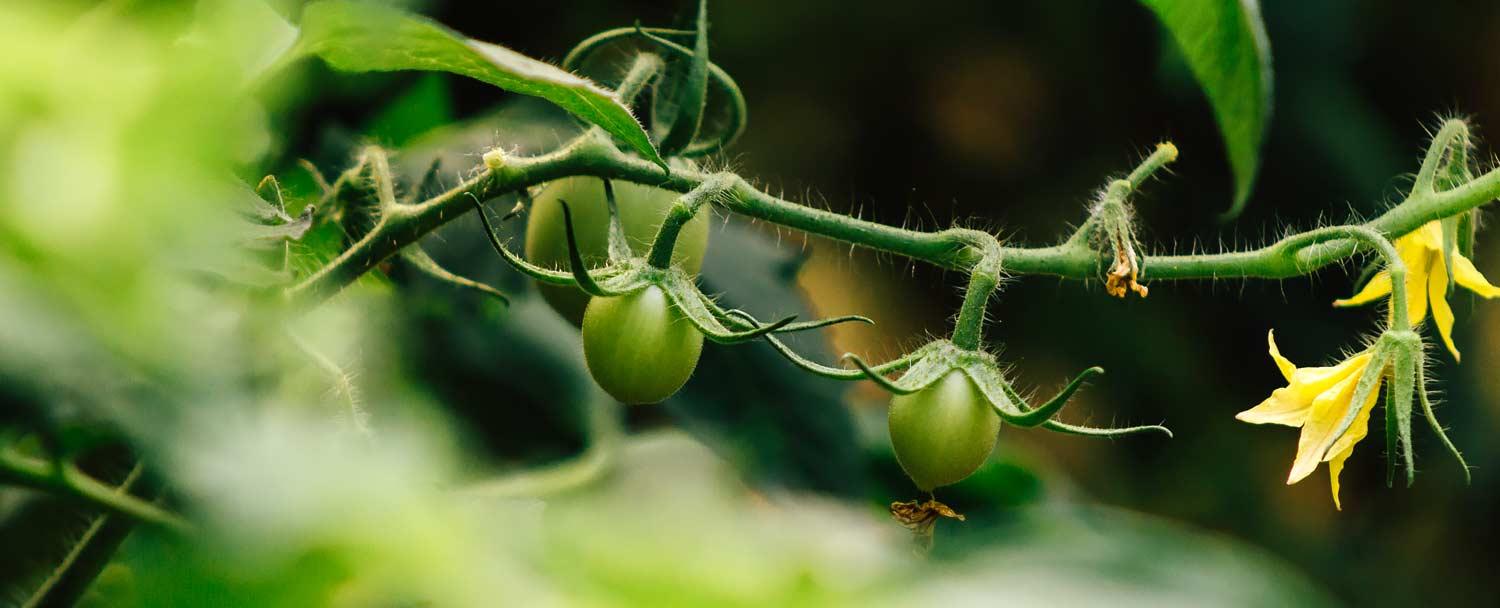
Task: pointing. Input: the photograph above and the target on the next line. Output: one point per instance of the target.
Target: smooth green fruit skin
(642, 209)
(639, 347)
(944, 432)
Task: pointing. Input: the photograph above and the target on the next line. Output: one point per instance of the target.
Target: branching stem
(953, 248)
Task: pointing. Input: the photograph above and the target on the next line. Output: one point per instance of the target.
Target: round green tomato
(942, 433)
(642, 209)
(639, 347)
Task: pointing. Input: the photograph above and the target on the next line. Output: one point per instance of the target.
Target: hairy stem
(954, 248)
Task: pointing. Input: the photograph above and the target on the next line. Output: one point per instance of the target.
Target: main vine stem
(960, 249)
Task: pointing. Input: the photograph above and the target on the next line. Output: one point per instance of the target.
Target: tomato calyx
(924, 366)
(626, 274)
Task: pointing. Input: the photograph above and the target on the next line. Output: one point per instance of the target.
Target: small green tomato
(639, 347)
(642, 209)
(942, 433)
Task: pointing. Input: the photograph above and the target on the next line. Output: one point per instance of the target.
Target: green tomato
(639, 347)
(942, 433)
(642, 209)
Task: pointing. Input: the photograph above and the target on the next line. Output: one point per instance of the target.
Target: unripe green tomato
(639, 347)
(942, 433)
(642, 209)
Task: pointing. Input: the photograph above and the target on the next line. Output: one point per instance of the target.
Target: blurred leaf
(252, 35)
(427, 105)
(1225, 45)
(365, 37)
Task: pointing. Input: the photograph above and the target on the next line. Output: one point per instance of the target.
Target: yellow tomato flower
(1318, 399)
(1427, 280)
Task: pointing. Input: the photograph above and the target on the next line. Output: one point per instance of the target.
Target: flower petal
(1429, 238)
(1282, 363)
(1325, 420)
(1468, 276)
(1309, 382)
(1344, 447)
(1442, 315)
(1378, 287)
(1282, 407)
(1417, 277)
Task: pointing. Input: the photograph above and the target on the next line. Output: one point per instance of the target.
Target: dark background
(1009, 116)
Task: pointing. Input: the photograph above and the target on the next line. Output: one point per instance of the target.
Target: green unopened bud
(494, 160)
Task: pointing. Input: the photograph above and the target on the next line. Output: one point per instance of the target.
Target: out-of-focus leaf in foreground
(1226, 48)
(359, 37)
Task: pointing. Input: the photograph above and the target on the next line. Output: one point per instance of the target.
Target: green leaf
(427, 105)
(358, 37)
(1225, 45)
(251, 35)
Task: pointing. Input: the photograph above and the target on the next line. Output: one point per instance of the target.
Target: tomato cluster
(638, 346)
(641, 209)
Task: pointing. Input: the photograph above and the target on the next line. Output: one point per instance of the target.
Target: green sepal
(619, 245)
(996, 390)
(1438, 428)
(691, 93)
(880, 379)
(1018, 413)
(543, 275)
(579, 269)
(740, 319)
(1073, 429)
(415, 257)
(1403, 384)
(920, 375)
(1368, 381)
(1391, 439)
(1467, 233)
(617, 278)
(684, 294)
(835, 373)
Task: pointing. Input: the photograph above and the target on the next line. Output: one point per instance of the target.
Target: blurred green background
(1006, 116)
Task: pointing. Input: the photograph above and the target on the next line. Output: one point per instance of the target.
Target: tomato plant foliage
(231, 376)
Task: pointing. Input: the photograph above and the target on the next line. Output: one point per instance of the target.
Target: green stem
(66, 478)
(953, 248)
(645, 68)
(683, 210)
(984, 279)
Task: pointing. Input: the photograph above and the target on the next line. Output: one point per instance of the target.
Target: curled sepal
(739, 319)
(418, 259)
(579, 269)
(619, 245)
(1437, 428)
(1014, 410)
(616, 280)
(835, 373)
(544, 275)
(880, 379)
(1088, 431)
(1403, 384)
(693, 305)
(922, 373)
